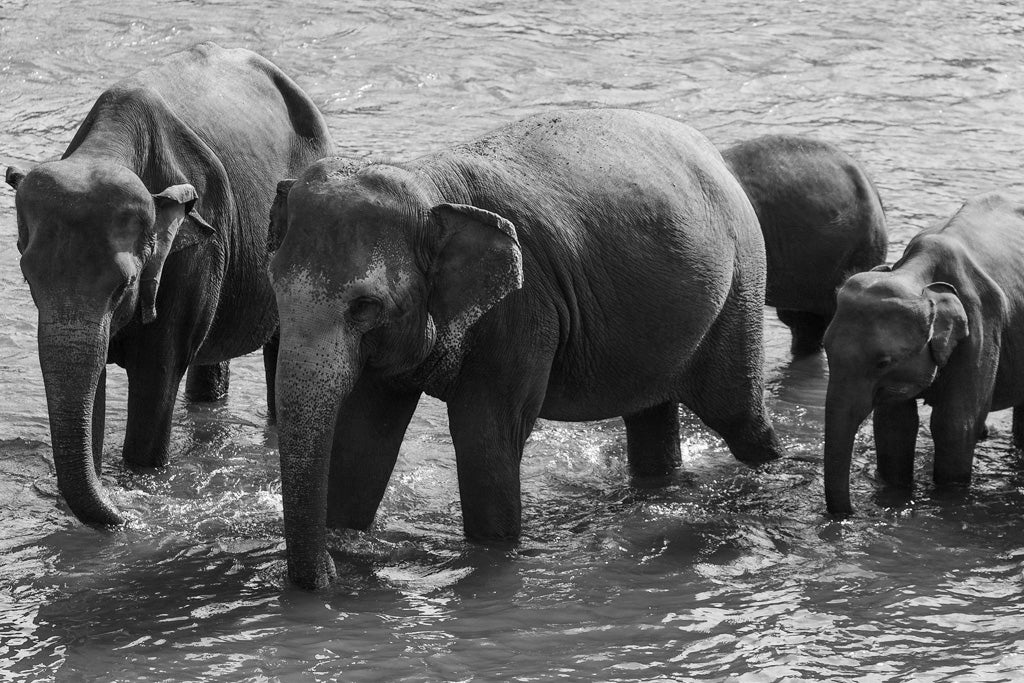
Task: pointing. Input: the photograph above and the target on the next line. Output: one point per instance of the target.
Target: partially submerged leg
(368, 434)
(652, 440)
(808, 330)
(725, 385)
(895, 426)
(208, 383)
(270, 350)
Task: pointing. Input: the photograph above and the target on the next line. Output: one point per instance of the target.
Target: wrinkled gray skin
(572, 266)
(145, 245)
(945, 325)
(822, 221)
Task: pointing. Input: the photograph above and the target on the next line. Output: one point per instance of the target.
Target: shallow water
(723, 573)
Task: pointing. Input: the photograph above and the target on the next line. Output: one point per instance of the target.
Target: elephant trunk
(846, 407)
(73, 358)
(312, 380)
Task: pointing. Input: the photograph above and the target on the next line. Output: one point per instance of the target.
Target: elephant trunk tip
(107, 517)
(95, 511)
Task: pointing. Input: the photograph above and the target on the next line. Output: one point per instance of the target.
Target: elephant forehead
(379, 275)
(909, 317)
(78, 191)
(879, 326)
(306, 287)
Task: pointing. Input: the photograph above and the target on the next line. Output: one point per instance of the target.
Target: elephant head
(888, 340)
(93, 243)
(372, 272)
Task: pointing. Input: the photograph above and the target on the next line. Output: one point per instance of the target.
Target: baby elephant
(946, 325)
(822, 221)
(572, 266)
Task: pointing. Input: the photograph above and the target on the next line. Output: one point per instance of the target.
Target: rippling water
(724, 573)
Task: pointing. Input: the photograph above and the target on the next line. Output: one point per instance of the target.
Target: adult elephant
(573, 266)
(822, 221)
(945, 324)
(145, 245)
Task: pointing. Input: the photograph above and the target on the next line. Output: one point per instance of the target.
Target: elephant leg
(652, 440)
(99, 418)
(368, 434)
(808, 330)
(957, 416)
(152, 389)
(955, 439)
(270, 350)
(208, 383)
(491, 412)
(1018, 426)
(489, 433)
(725, 387)
(983, 433)
(895, 426)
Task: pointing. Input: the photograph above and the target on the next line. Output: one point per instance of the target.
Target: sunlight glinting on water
(718, 572)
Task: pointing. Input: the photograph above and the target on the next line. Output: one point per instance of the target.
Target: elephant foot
(983, 433)
(144, 455)
(952, 473)
(1018, 426)
(208, 383)
(652, 441)
(136, 462)
(350, 514)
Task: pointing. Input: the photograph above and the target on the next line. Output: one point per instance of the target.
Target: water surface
(724, 573)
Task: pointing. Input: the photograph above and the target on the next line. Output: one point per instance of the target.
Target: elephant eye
(365, 309)
(883, 363)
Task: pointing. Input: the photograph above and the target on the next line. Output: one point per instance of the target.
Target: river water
(724, 573)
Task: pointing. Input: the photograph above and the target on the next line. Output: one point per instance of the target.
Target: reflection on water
(717, 572)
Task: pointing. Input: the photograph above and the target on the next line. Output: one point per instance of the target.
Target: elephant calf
(573, 266)
(945, 324)
(822, 221)
(145, 245)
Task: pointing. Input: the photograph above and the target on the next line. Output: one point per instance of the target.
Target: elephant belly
(586, 408)
(611, 383)
(628, 352)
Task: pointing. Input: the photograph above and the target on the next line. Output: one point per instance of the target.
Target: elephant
(576, 265)
(145, 245)
(822, 221)
(944, 324)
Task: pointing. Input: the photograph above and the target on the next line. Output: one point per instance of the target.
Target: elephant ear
(279, 215)
(479, 262)
(14, 176)
(882, 268)
(948, 321)
(171, 233)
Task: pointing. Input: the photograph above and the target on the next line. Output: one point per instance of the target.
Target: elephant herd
(573, 265)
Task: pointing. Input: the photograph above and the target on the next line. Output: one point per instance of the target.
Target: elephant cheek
(405, 347)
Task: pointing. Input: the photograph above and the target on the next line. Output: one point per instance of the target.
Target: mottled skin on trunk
(145, 245)
(822, 221)
(573, 266)
(72, 355)
(945, 325)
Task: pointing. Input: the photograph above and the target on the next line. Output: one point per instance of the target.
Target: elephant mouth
(899, 392)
